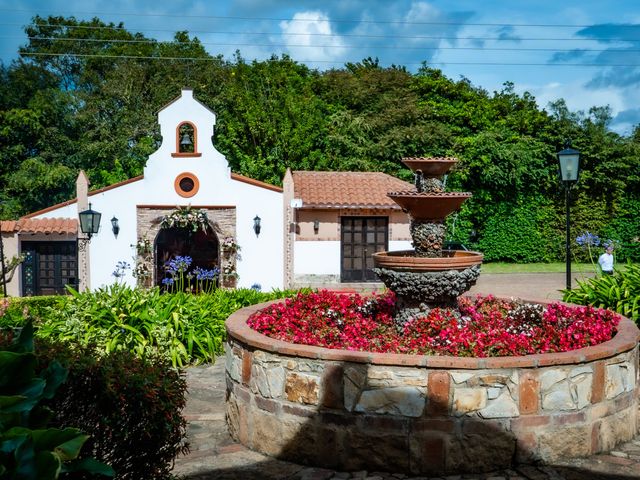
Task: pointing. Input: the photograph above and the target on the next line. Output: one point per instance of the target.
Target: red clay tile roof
(346, 189)
(62, 226)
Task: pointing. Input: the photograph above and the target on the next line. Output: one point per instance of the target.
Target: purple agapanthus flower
(588, 239)
(202, 274)
(178, 264)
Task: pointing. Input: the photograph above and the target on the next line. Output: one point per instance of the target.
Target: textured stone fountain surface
(427, 415)
(428, 276)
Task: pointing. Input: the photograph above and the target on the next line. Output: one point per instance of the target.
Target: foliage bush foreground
(29, 448)
(131, 407)
(484, 326)
(619, 292)
(181, 328)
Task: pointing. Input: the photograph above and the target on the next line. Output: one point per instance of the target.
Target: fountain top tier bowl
(430, 167)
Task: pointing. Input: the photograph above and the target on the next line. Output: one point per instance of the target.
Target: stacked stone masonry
(427, 415)
(224, 221)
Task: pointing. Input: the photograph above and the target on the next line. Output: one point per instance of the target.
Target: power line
(288, 19)
(383, 47)
(129, 29)
(205, 59)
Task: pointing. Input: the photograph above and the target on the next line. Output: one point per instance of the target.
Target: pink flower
(481, 327)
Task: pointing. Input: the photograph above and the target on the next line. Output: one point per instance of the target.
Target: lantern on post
(569, 160)
(89, 222)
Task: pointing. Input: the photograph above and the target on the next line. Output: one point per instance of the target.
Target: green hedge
(625, 227)
(522, 232)
(14, 310)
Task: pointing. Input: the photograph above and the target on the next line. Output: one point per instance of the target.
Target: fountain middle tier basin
(407, 261)
(426, 206)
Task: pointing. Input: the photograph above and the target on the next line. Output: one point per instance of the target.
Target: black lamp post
(89, 221)
(4, 271)
(569, 160)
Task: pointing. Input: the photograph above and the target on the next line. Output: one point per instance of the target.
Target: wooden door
(360, 238)
(49, 267)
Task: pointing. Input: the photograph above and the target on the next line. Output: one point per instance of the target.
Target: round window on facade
(186, 185)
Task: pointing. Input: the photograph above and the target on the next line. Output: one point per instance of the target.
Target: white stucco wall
(400, 245)
(262, 256)
(323, 257)
(316, 258)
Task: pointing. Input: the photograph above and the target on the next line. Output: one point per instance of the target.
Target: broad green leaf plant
(28, 449)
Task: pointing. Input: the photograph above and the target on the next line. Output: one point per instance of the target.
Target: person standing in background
(606, 261)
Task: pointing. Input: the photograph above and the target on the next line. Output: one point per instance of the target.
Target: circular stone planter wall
(427, 414)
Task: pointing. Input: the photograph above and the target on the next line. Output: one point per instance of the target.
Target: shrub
(520, 232)
(181, 327)
(625, 226)
(619, 292)
(14, 310)
(130, 406)
(29, 450)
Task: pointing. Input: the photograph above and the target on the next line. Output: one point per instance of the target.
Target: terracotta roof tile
(61, 226)
(346, 189)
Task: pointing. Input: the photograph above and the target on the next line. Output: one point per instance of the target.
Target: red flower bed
(483, 327)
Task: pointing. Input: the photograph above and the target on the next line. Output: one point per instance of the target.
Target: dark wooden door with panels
(361, 237)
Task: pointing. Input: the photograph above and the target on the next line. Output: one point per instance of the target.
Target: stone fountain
(428, 276)
(427, 415)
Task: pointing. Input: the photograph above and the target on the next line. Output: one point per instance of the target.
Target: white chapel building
(319, 229)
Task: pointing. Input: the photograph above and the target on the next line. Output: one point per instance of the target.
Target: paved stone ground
(214, 455)
(525, 285)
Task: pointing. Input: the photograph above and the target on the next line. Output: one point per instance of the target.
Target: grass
(558, 267)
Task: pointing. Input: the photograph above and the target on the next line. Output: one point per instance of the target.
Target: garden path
(545, 286)
(215, 456)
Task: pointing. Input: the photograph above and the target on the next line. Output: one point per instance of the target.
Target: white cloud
(579, 97)
(309, 36)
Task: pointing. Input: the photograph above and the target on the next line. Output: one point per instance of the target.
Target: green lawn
(559, 267)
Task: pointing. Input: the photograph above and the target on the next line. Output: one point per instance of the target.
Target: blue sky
(587, 52)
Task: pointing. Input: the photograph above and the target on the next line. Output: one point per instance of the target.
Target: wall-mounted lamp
(89, 221)
(256, 225)
(316, 226)
(115, 228)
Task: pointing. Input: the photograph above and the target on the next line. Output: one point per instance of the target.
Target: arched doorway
(201, 246)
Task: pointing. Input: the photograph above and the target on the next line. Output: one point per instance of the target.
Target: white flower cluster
(186, 217)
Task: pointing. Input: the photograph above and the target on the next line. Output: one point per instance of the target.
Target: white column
(82, 201)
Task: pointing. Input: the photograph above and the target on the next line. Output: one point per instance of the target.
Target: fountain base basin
(423, 283)
(419, 292)
(427, 415)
